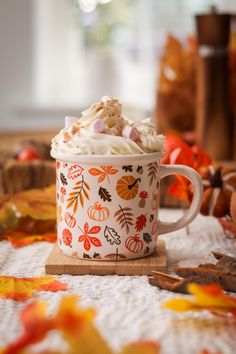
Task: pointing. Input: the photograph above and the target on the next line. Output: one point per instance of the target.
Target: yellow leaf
(39, 204)
(78, 329)
(145, 347)
(207, 297)
(20, 289)
(29, 216)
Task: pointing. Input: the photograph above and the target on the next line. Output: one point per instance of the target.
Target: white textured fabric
(128, 308)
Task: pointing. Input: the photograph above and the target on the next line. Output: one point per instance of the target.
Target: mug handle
(191, 213)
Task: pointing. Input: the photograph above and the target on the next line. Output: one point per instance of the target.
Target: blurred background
(59, 56)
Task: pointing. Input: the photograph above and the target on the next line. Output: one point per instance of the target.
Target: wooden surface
(58, 263)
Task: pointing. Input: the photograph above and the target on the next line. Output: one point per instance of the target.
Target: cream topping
(81, 139)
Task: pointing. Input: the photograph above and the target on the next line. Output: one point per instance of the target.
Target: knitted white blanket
(128, 308)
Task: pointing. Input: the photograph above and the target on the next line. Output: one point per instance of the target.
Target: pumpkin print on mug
(98, 212)
(110, 212)
(127, 187)
(70, 220)
(134, 244)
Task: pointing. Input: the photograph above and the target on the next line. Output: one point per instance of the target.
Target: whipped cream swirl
(81, 139)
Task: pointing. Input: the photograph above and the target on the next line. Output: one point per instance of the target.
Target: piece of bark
(177, 285)
(225, 263)
(222, 273)
(209, 274)
(163, 280)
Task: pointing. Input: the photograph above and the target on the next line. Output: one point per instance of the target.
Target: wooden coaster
(58, 263)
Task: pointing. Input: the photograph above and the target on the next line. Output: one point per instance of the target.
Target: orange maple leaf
(21, 238)
(178, 152)
(207, 297)
(21, 289)
(86, 237)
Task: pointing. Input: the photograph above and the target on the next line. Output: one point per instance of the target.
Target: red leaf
(185, 156)
(174, 155)
(95, 241)
(86, 227)
(180, 191)
(201, 158)
(94, 230)
(87, 245)
(81, 238)
(140, 223)
(75, 171)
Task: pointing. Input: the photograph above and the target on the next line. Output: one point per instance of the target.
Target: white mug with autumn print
(107, 206)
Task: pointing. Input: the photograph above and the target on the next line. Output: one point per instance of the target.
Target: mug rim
(108, 159)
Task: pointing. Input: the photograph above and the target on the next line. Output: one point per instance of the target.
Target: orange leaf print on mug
(87, 239)
(79, 193)
(103, 173)
(127, 187)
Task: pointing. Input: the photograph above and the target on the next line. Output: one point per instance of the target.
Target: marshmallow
(69, 121)
(98, 126)
(130, 133)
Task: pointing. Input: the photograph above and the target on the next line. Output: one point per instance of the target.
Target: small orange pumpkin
(219, 183)
(127, 187)
(70, 220)
(98, 212)
(134, 244)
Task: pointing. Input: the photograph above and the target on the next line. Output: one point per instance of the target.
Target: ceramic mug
(107, 206)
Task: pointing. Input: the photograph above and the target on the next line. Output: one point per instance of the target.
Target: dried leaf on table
(21, 238)
(76, 327)
(39, 204)
(207, 297)
(29, 216)
(20, 289)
